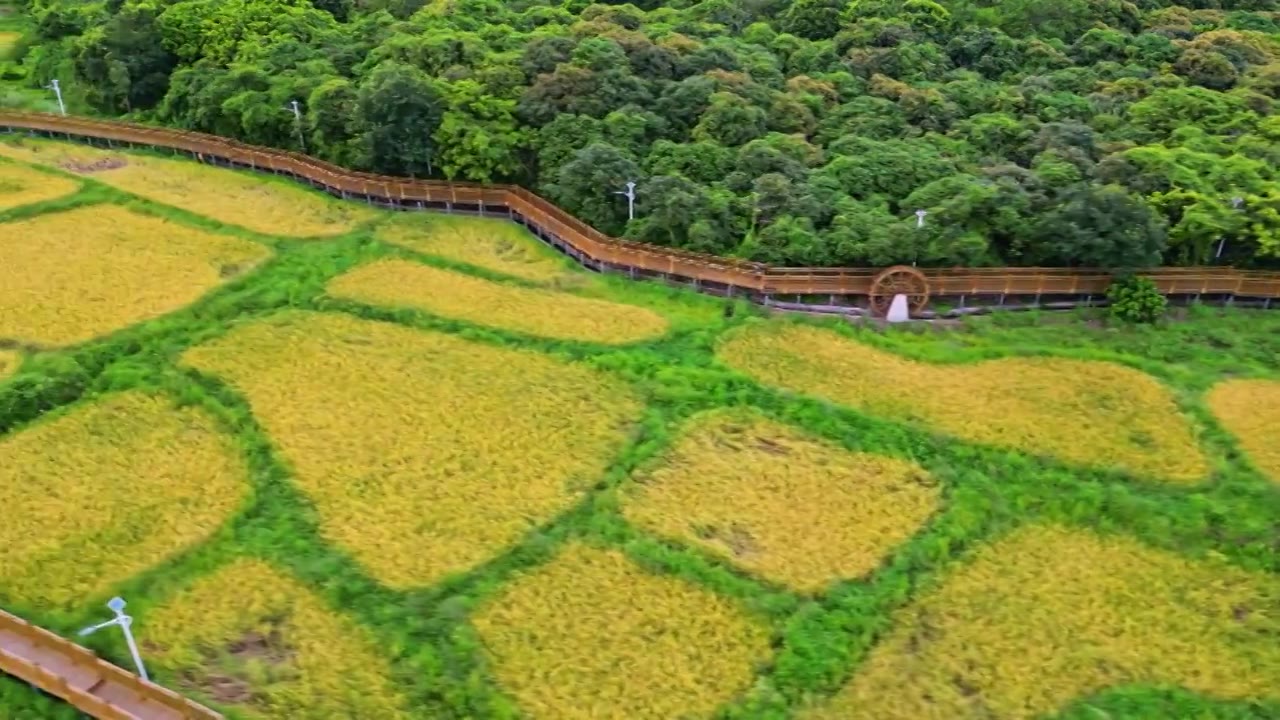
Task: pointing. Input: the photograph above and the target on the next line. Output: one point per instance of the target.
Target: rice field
(320, 503)
(249, 637)
(496, 245)
(1087, 412)
(69, 276)
(1051, 614)
(776, 502)
(591, 636)
(240, 199)
(7, 41)
(403, 473)
(463, 297)
(106, 490)
(1250, 410)
(20, 185)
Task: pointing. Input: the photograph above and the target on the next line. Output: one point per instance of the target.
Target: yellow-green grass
(528, 310)
(94, 496)
(67, 277)
(7, 41)
(1251, 410)
(424, 453)
(591, 636)
(250, 637)
(20, 185)
(779, 503)
(1094, 413)
(498, 245)
(9, 362)
(245, 199)
(1048, 614)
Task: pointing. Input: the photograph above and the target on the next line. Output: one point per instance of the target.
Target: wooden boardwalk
(832, 287)
(78, 676)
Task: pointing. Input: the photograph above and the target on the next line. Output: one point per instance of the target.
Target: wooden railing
(91, 684)
(602, 251)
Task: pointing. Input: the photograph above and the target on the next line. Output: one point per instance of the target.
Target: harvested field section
(591, 636)
(237, 198)
(1048, 614)
(1250, 409)
(537, 312)
(424, 453)
(98, 494)
(68, 277)
(251, 639)
(21, 185)
(1094, 413)
(9, 362)
(779, 503)
(498, 245)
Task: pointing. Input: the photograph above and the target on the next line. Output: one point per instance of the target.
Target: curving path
(78, 676)
(848, 290)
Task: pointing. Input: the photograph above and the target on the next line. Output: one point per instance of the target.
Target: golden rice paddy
(98, 494)
(779, 503)
(498, 245)
(67, 277)
(9, 362)
(1250, 409)
(424, 453)
(527, 310)
(20, 185)
(1093, 413)
(1048, 614)
(250, 637)
(245, 199)
(591, 636)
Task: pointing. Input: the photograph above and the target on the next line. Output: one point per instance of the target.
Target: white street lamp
(297, 125)
(116, 605)
(1236, 202)
(630, 195)
(920, 218)
(57, 90)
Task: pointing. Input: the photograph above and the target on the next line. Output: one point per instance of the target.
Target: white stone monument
(898, 311)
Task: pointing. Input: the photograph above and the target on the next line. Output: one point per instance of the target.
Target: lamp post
(920, 218)
(57, 91)
(630, 195)
(297, 123)
(116, 605)
(1236, 202)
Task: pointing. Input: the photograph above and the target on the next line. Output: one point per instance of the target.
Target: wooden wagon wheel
(899, 279)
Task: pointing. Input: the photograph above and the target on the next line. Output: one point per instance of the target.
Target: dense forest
(807, 132)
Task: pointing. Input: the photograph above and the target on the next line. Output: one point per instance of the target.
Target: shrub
(1137, 300)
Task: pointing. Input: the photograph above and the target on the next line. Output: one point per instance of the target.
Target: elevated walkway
(78, 676)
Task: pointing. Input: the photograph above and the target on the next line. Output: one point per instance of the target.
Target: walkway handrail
(588, 242)
(89, 683)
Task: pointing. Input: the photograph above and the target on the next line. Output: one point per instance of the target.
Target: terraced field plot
(591, 636)
(21, 185)
(107, 490)
(495, 245)
(781, 504)
(1049, 614)
(1091, 413)
(1250, 409)
(69, 276)
(252, 639)
(236, 198)
(425, 454)
(537, 312)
